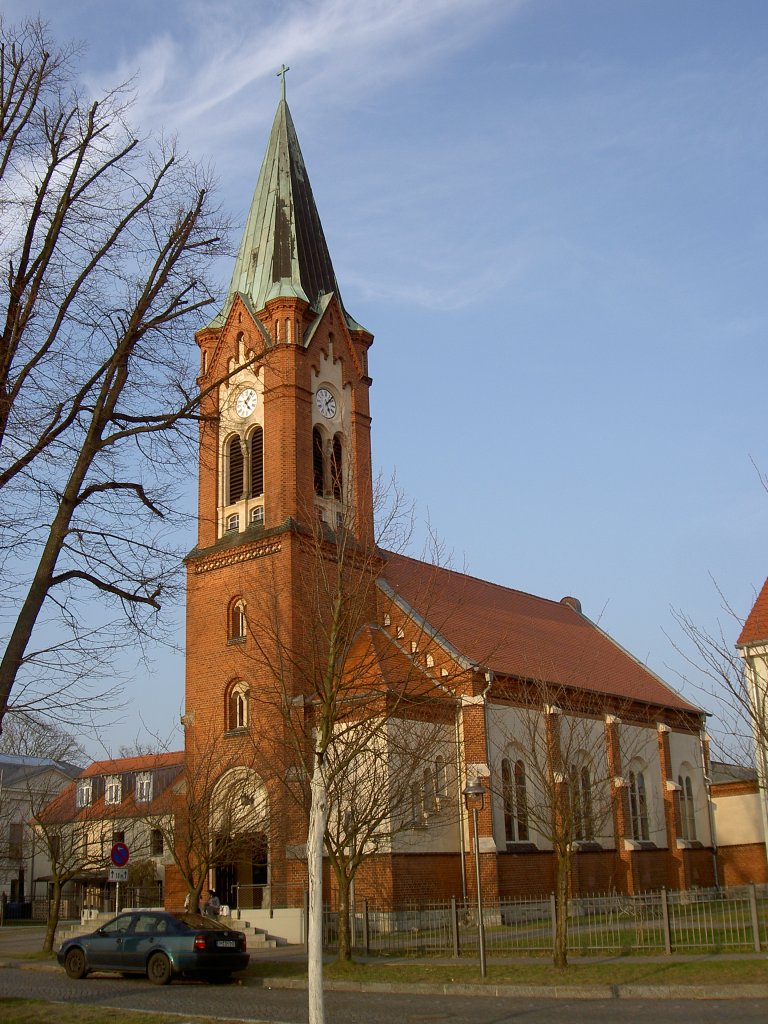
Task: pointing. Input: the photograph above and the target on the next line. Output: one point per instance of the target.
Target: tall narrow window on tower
(317, 462)
(257, 462)
(337, 454)
(235, 460)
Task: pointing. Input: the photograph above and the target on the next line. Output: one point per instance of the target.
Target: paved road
(249, 1002)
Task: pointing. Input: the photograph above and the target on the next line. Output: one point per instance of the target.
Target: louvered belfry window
(317, 461)
(336, 468)
(235, 471)
(257, 463)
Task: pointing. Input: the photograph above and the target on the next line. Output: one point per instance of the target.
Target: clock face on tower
(326, 403)
(246, 402)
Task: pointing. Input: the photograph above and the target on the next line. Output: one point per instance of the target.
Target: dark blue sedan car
(157, 943)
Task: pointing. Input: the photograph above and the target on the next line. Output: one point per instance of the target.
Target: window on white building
(513, 787)
(113, 790)
(687, 810)
(638, 807)
(441, 783)
(84, 792)
(581, 802)
(143, 787)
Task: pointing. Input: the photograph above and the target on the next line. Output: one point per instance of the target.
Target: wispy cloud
(216, 53)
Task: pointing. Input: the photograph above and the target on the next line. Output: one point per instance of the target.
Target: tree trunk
(342, 915)
(42, 580)
(53, 917)
(560, 954)
(318, 819)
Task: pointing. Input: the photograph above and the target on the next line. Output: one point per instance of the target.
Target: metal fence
(694, 920)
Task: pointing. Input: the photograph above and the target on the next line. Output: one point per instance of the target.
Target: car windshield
(200, 923)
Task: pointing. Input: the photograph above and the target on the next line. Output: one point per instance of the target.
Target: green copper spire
(283, 251)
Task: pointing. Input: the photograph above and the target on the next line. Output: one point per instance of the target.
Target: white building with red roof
(753, 647)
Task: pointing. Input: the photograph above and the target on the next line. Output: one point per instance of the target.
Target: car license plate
(227, 942)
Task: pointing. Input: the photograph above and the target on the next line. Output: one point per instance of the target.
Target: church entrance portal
(242, 880)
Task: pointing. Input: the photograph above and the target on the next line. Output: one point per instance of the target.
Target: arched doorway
(240, 827)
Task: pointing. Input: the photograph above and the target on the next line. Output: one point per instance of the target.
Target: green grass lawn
(703, 971)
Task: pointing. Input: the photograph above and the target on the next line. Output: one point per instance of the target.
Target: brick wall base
(741, 865)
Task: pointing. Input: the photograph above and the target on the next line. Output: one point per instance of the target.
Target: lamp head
(475, 790)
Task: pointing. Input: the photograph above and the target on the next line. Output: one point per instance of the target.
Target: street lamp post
(474, 798)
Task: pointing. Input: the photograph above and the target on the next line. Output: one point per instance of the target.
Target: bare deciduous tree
(76, 840)
(107, 242)
(718, 674)
(26, 735)
(342, 693)
(555, 780)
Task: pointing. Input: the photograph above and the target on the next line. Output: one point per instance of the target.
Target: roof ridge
(479, 579)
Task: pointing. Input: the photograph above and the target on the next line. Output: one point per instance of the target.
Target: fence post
(454, 926)
(665, 922)
(755, 921)
(306, 919)
(553, 915)
(366, 931)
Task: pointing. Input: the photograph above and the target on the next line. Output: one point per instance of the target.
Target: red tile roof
(64, 806)
(143, 763)
(526, 637)
(756, 627)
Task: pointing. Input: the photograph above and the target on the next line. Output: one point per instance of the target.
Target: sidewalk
(15, 941)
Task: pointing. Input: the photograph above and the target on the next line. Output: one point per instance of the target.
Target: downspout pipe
(489, 677)
(710, 809)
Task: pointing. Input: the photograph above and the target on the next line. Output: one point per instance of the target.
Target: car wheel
(159, 969)
(75, 964)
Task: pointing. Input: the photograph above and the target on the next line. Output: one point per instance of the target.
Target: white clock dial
(326, 403)
(246, 402)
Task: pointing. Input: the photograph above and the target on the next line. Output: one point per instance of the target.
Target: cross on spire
(281, 74)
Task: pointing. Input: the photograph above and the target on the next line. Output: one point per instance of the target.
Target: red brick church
(285, 492)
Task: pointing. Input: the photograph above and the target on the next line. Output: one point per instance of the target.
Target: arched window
(428, 799)
(237, 710)
(508, 796)
(257, 462)
(521, 801)
(514, 796)
(237, 622)
(586, 804)
(581, 802)
(638, 807)
(318, 462)
(235, 481)
(687, 811)
(441, 781)
(337, 454)
(416, 805)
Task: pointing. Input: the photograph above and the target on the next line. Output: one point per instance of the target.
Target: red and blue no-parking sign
(119, 855)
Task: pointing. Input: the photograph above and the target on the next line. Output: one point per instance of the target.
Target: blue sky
(552, 214)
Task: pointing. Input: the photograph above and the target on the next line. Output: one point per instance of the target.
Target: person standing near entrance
(212, 904)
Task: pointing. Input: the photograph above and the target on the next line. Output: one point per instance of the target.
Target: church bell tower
(284, 373)
(285, 460)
